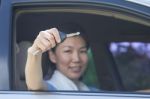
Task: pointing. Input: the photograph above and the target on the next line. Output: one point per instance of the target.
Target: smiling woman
(69, 56)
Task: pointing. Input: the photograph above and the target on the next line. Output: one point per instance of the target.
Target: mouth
(76, 69)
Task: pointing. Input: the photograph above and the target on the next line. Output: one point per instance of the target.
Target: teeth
(76, 68)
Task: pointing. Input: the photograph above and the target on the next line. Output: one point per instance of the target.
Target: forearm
(33, 72)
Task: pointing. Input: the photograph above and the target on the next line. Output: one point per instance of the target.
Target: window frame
(125, 15)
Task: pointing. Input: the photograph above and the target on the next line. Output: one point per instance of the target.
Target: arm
(33, 71)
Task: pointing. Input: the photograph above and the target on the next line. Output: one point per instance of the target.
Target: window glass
(133, 62)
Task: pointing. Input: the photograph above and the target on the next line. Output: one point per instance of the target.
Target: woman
(69, 56)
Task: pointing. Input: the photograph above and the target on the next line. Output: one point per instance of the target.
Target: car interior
(102, 29)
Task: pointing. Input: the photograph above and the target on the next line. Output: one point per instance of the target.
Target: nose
(76, 57)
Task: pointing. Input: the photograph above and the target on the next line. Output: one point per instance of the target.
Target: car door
(5, 28)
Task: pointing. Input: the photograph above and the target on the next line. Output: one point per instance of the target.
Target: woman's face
(71, 57)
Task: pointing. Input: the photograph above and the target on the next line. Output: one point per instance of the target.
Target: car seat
(21, 56)
(19, 68)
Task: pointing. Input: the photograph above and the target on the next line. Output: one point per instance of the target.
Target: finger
(55, 33)
(48, 43)
(51, 39)
(43, 43)
(46, 38)
(41, 46)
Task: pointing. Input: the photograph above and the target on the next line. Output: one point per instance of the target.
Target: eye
(83, 51)
(67, 51)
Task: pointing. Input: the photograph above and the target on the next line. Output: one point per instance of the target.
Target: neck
(73, 80)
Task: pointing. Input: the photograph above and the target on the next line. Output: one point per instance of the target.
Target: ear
(52, 56)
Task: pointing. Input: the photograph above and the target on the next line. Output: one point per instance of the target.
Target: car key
(63, 36)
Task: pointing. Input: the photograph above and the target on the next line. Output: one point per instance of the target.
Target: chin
(75, 77)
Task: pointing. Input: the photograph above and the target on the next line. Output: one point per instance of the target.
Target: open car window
(106, 30)
(27, 25)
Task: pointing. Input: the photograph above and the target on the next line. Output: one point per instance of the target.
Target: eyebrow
(72, 47)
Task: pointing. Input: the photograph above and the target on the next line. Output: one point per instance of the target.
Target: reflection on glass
(133, 62)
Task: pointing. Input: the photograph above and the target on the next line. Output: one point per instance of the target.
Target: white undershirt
(61, 82)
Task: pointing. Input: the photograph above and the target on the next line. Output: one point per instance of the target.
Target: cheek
(63, 60)
(85, 59)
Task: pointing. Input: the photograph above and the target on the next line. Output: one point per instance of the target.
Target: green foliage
(90, 77)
